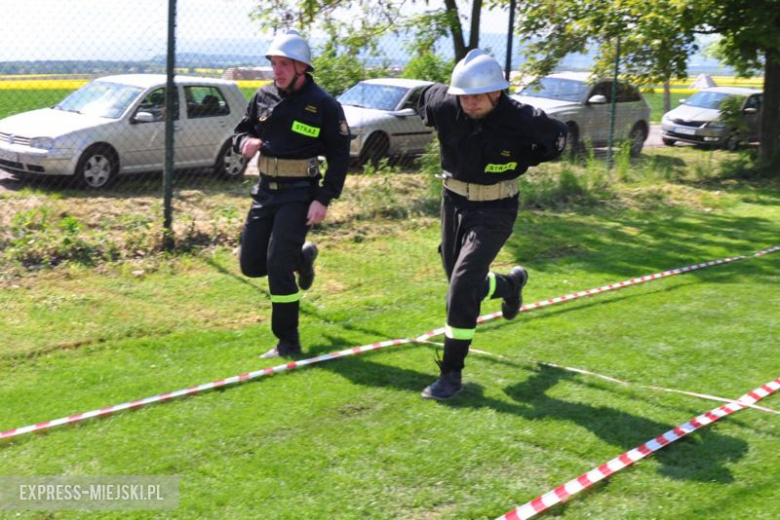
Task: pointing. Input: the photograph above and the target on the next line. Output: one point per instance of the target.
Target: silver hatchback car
(585, 106)
(698, 119)
(116, 125)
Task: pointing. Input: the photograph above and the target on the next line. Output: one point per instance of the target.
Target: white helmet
(290, 45)
(477, 73)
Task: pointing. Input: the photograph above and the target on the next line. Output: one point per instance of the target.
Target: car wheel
(230, 165)
(97, 167)
(668, 142)
(637, 137)
(376, 148)
(731, 143)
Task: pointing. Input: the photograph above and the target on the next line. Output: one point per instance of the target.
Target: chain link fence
(83, 121)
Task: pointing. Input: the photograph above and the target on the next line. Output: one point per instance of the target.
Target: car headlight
(715, 124)
(43, 143)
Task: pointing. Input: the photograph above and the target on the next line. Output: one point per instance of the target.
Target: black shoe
(443, 388)
(282, 350)
(306, 272)
(510, 307)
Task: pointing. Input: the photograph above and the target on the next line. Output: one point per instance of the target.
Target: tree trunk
(667, 96)
(456, 29)
(476, 12)
(770, 111)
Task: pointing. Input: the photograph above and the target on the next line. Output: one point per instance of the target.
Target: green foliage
(337, 72)
(428, 66)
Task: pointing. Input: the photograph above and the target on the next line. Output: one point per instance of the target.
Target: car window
(704, 99)
(154, 103)
(603, 88)
(411, 101)
(372, 95)
(627, 93)
(101, 99)
(754, 102)
(205, 101)
(556, 88)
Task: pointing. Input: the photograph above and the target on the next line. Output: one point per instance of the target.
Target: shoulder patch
(343, 128)
(311, 108)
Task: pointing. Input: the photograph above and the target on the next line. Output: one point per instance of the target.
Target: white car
(585, 106)
(697, 120)
(382, 115)
(116, 125)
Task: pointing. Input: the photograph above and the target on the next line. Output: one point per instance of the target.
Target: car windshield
(556, 88)
(370, 95)
(707, 99)
(101, 99)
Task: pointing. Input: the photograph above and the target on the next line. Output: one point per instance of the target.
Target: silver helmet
(290, 45)
(477, 73)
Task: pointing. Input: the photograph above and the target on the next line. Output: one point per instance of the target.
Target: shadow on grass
(625, 246)
(701, 457)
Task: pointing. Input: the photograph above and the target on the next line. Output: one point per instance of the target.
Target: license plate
(8, 156)
(685, 130)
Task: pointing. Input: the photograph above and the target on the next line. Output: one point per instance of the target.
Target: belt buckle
(273, 185)
(312, 170)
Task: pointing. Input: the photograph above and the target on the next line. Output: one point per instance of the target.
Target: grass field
(351, 438)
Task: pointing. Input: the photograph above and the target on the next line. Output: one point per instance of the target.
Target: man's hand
(317, 213)
(250, 146)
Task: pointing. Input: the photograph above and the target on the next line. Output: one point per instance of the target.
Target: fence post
(610, 159)
(171, 103)
(509, 37)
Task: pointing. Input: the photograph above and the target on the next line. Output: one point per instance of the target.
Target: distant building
(248, 73)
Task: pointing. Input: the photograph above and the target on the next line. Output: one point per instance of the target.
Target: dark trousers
(472, 234)
(271, 244)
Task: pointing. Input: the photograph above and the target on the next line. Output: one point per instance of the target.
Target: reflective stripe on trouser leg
(286, 298)
(456, 333)
(491, 285)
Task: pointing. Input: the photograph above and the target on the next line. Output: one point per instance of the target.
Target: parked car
(382, 116)
(698, 119)
(585, 106)
(116, 125)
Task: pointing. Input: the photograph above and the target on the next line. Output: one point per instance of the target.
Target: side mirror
(143, 117)
(682, 101)
(751, 110)
(404, 112)
(598, 99)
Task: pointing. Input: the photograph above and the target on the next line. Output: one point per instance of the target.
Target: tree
(750, 42)
(360, 21)
(656, 40)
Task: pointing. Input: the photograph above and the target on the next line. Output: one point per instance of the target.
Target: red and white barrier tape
(161, 398)
(348, 352)
(707, 397)
(584, 481)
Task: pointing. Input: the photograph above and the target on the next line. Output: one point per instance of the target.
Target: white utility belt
(482, 192)
(275, 167)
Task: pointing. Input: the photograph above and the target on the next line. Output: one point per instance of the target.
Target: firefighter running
(290, 122)
(487, 141)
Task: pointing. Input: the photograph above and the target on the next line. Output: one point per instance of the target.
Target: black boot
(443, 388)
(283, 349)
(510, 307)
(306, 271)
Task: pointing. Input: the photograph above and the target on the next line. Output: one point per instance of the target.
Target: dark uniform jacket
(500, 146)
(305, 124)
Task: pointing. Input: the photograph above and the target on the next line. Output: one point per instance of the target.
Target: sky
(129, 30)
